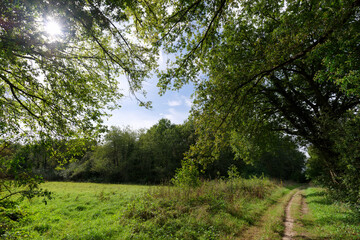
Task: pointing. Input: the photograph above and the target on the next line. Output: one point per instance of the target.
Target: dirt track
(298, 204)
(289, 220)
(288, 208)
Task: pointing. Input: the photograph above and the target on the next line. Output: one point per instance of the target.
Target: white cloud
(188, 101)
(175, 116)
(180, 100)
(135, 117)
(174, 103)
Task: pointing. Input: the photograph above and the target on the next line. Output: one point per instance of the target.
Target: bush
(187, 175)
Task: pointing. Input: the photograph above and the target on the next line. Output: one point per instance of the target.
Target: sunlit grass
(78, 211)
(215, 210)
(225, 209)
(328, 219)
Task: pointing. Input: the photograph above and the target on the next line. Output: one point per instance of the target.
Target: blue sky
(173, 105)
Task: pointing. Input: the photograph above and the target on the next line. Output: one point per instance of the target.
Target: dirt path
(269, 227)
(296, 208)
(290, 207)
(289, 220)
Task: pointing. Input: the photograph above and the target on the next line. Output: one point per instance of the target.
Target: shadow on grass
(321, 202)
(324, 199)
(347, 218)
(316, 194)
(292, 186)
(333, 220)
(300, 237)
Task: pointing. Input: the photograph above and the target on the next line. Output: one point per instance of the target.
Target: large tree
(258, 66)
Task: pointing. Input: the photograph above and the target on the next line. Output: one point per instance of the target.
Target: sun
(52, 28)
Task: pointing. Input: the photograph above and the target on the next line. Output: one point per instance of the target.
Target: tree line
(145, 156)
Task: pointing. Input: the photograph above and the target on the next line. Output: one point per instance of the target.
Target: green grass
(215, 210)
(327, 219)
(224, 209)
(77, 211)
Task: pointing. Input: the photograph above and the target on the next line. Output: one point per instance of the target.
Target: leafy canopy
(262, 66)
(280, 64)
(61, 85)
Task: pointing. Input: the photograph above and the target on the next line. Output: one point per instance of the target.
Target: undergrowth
(214, 210)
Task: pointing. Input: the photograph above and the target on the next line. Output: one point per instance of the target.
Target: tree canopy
(61, 85)
(263, 66)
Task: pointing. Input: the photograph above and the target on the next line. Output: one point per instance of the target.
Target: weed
(103, 197)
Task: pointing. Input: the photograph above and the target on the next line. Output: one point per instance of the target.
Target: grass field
(77, 211)
(225, 209)
(221, 209)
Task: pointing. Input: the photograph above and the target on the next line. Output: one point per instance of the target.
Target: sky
(173, 105)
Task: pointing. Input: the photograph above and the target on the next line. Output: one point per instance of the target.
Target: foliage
(16, 183)
(233, 172)
(166, 143)
(285, 66)
(270, 153)
(187, 175)
(60, 85)
(344, 182)
(150, 156)
(17, 178)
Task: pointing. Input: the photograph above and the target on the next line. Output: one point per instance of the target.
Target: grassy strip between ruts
(215, 210)
(325, 219)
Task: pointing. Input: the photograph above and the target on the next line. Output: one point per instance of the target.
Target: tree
(164, 145)
(287, 66)
(134, 156)
(270, 153)
(61, 85)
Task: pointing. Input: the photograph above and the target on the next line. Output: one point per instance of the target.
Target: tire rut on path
(289, 233)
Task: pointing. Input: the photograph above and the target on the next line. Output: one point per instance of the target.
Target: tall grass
(219, 209)
(214, 210)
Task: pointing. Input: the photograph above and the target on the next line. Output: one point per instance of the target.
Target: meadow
(219, 209)
(110, 211)
(76, 211)
(326, 219)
